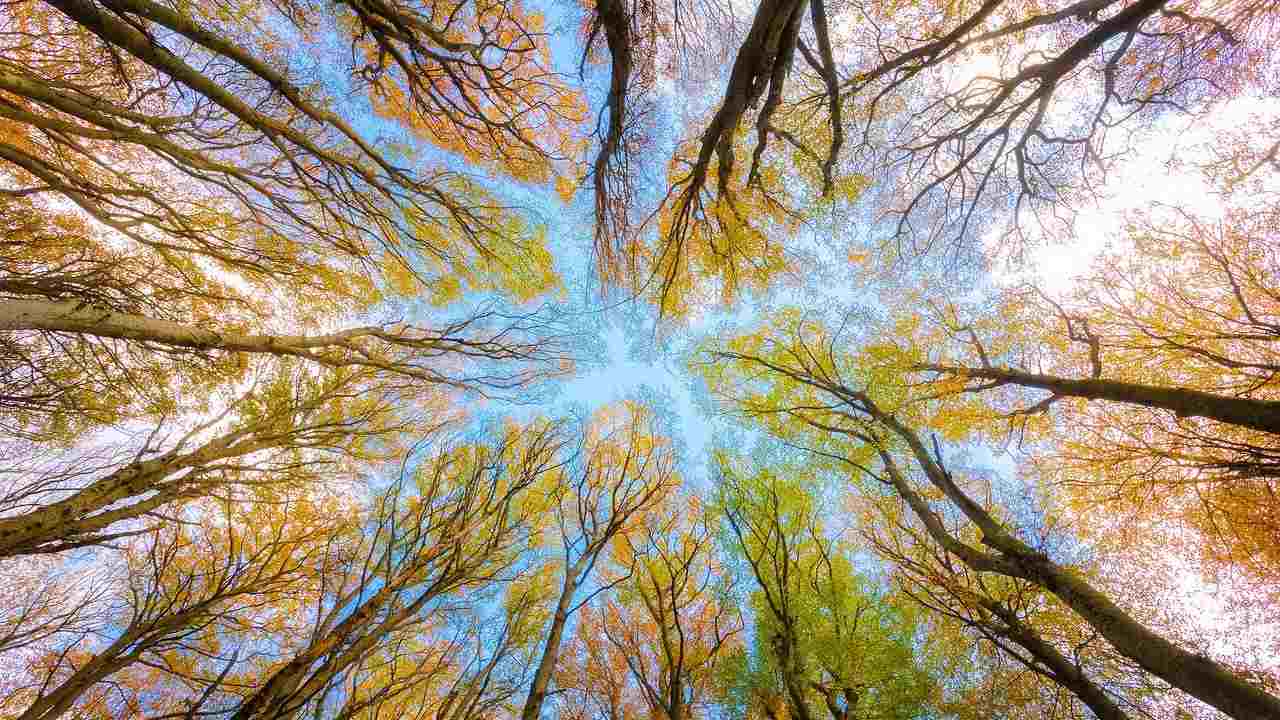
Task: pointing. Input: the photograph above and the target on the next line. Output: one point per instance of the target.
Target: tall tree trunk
(551, 650)
(1194, 674)
(1064, 672)
(82, 513)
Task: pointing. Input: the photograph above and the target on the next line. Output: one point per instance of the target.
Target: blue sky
(622, 351)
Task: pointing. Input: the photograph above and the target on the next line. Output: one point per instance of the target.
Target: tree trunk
(72, 316)
(1194, 674)
(74, 516)
(1261, 415)
(1065, 672)
(551, 650)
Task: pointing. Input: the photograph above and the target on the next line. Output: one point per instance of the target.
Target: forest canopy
(639, 359)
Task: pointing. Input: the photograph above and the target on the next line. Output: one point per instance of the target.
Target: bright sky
(1144, 178)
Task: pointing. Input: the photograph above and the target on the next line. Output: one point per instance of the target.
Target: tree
(1022, 637)
(595, 674)
(451, 526)
(861, 412)
(644, 41)
(65, 356)
(1158, 372)
(908, 99)
(44, 602)
(472, 668)
(659, 648)
(340, 602)
(273, 273)
(287, 430)
(96, 84)
(838, 649)
(187, 588)
(630, 36)
(1034, 133)
(624, 466)
(178, 191)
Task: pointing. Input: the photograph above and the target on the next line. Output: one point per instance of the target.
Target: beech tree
(179, 190)
(96, 106)
(1034, 134)
(825, 647)
(659, 646)
(644, 42)
(624, 467)
(999, 108)
(292, 297)
(287, 430)
(83, 347)
(471, 673)
(1036, 655)
(348, 608)
(1157, 373)
(452, 526)
(859, 411)
(186, 588)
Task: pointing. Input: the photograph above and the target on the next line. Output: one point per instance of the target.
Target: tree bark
(1063, 671)
(72, 517)
(1194, 674)
(551, 650)
(1261, 415)
(73, 316)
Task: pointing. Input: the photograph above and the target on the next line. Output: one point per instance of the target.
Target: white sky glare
(1145, 177)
